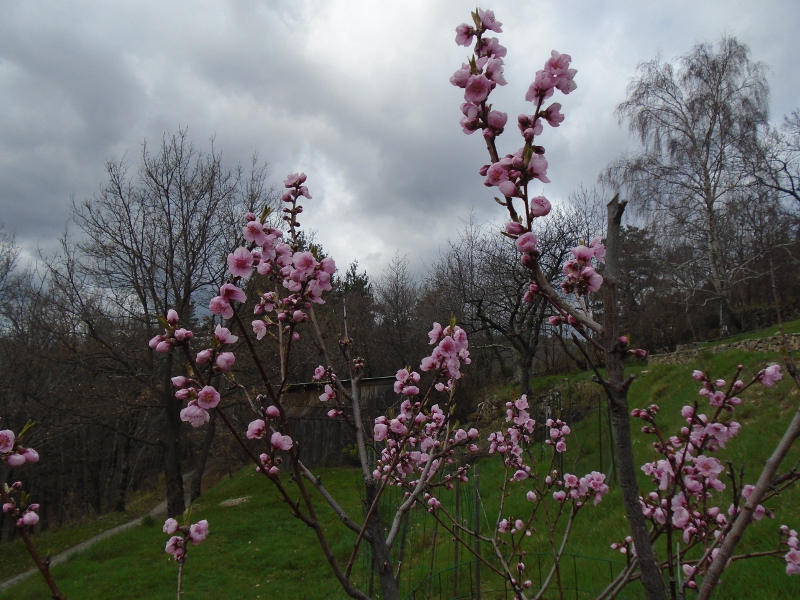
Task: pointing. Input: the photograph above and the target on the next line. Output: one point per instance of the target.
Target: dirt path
(158, 512)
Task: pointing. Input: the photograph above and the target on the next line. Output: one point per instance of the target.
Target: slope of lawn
(256, 550)
(53, 541)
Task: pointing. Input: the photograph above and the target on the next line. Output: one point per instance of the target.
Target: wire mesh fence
(431, 564)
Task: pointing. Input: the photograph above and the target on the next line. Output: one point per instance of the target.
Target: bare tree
(485, 283)
(694, 123)
(150, 241)
(396, 297)
(774, 160)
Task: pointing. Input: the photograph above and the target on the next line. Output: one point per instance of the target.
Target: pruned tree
(481, 276)
(695, 119)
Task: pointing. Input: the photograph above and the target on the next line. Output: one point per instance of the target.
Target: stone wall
(688, 354)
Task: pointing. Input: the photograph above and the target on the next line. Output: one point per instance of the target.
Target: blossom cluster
(177, 545)
(201, 400)
(23, 513)
(419, 439)
(416, 441)
(478, 78)
(448, 355)
(14, 453)
(299, 272)
(581, 277)
(173, 335)
(792, 557)
(687, 476)
(259, 428)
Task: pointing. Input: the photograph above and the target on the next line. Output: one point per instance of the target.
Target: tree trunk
(176, 501)
(381, 553)
(197, 479)
(524, 373)
(616, 388)
(124, 476)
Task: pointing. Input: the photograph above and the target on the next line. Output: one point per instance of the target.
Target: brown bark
(616, 387)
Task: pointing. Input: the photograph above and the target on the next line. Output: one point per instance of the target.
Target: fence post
(455, 542)
(477, 534)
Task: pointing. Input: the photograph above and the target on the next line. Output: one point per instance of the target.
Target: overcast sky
(353, 92)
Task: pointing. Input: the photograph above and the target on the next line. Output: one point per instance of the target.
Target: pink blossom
(172, 317)
(230, 292)
(328, 265)
(254, 232)
(15, 460)
(304, 263)
(282, 442)
(553, 115)
(435, 333)
(240, 263)
(30, 455)
(183, 335)
(272, 412)
(496, 174)
(464, 34)
(7, 439)
(259, 328)
(175, 546)
(256, 429)
(490, 47)
(294, 179)
(194, 415)
(494, 71)
(319, 372)
(540, 206)
(208, 397)
(599, 249)
(769, 376)
(593, 279)
(477, 89)
(541, 88)
(381, 431)
(224, 336)
(221, 307)
(170, 526)
(180, 381)
(559, 496)
(515, 228)
(583, 253)
(328, 394)
(30, 518)
(225, 361)
(489, 22)
(198, 532)
(526, 242)
(537, 168)
(203, 356)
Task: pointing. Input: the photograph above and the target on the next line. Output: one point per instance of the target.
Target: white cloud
(355, 93)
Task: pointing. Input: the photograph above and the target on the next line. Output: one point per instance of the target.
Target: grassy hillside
(256, 550)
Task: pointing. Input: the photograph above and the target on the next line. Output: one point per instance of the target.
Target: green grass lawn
(17, 560)
(256, 550)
